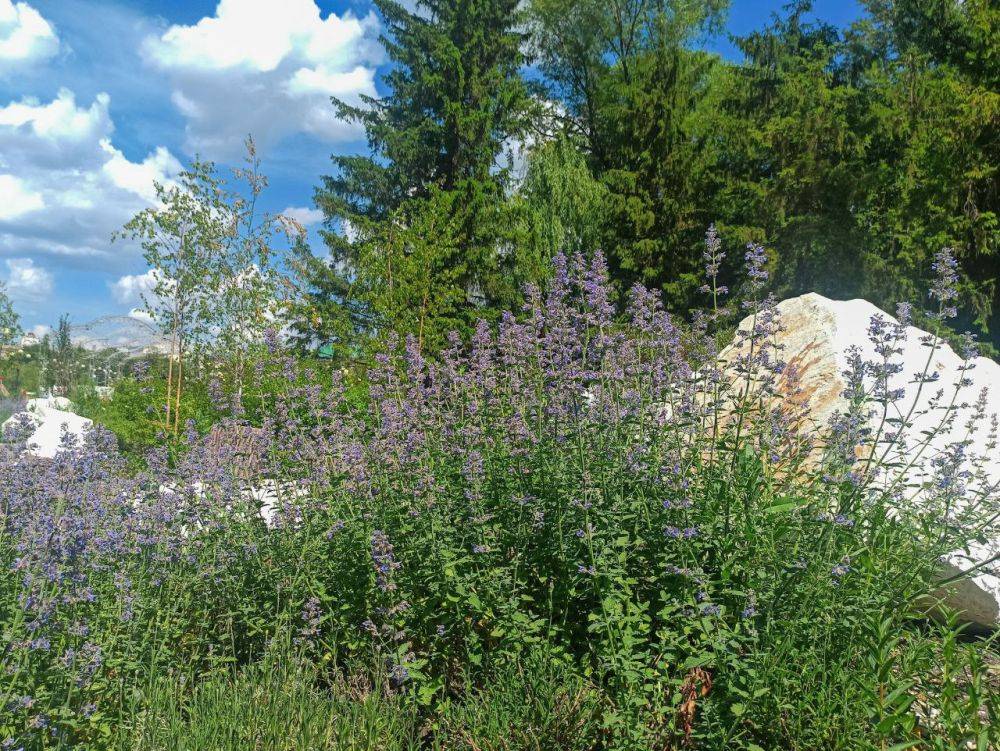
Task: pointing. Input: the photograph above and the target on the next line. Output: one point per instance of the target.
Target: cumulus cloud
(40, 330)
(64, 187)
(26, 281)
(134, 288)
(60, 122)
(15, 199)
(25, 36)
(303, 215)
(266, 68)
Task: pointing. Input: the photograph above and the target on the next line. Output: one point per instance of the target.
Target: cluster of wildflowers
(575, 475)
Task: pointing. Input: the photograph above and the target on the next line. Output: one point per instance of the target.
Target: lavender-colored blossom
(841, 569)
(756, 260)
(311, 616)
(945, 286)
(384, 560)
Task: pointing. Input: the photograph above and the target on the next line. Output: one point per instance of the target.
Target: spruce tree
(636, 91)
(417, 229)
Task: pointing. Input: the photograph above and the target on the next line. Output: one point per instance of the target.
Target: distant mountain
(130, 334)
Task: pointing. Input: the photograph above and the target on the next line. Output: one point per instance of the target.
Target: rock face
(817, 338)
(48, 416)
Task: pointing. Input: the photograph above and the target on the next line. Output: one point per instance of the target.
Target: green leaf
(780, 508)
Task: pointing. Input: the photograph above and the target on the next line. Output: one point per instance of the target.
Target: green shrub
(576, 526)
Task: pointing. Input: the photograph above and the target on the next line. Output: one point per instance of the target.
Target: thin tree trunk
(170, 375)
(177, 401)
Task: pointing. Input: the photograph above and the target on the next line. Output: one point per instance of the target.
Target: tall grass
(283, 702)
(577, 531)
(271, 705)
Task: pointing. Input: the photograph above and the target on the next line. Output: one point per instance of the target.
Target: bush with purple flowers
(591, 509)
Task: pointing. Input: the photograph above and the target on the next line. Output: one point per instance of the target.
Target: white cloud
(15, 199)
(134, 288)
(304, 215)
(266, 68)
(139, 178)
(64, 187)
(26, 281)
(40, 330)
(24, 35)
(60, 120)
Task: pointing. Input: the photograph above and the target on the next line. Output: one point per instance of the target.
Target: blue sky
(100, 97)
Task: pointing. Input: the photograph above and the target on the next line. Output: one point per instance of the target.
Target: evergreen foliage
(420, 229)
(857, 153)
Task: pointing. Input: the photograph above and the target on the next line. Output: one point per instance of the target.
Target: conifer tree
(634, 88)
(417, 227)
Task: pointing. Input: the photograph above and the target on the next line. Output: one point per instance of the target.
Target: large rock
(48, 417)
(817, 337)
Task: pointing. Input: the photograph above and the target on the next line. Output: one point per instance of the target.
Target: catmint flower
(713, 254)
(399, 675)
(384, 560)
(756, 260)
(676, 533)
(970, 348)
(311, 615)
(945, 286)
(681, 504)
(271, 339)
(904, 314)
(841, 569)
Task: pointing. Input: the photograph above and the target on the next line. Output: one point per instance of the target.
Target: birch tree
(182, 237)
(217, 287)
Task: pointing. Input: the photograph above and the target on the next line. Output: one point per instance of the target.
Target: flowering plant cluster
(608, 490)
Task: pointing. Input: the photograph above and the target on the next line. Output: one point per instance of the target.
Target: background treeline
(510, 131)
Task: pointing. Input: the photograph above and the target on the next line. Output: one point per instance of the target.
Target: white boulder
(818, 336)
(49, 416)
